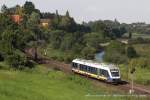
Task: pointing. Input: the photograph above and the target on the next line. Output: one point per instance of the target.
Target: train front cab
(114, 76)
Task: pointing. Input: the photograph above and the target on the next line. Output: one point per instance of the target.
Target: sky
(125, 11)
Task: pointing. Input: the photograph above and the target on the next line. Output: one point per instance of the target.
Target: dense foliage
(115, 53)
(62, 33)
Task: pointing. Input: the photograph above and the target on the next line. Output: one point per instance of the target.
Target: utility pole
(132, 79)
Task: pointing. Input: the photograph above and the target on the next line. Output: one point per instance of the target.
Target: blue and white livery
(101, 71)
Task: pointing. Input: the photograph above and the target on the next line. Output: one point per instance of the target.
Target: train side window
(95, 71)
(89, 69)
(104, 73)
(92, 70)
(100, 71)
(74, 65)
(81, 67)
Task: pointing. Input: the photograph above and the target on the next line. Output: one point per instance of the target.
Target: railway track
(124, 86)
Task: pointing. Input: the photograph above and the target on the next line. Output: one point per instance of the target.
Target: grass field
(41, 84)
(145, 36)
(136, 35)
(54, 53)
(143, 50)
(142, 75)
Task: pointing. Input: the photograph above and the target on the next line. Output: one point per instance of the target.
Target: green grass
(142, 75)
(143, 50)
(136, 35)
(53, 53)
(44, 84)
(145, 36)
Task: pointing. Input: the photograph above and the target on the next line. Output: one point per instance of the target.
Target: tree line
(64, 33)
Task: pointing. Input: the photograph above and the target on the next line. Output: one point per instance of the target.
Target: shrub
(68, 58)
(18, 61)
(88, 52)
(54, 57)
(141, 62)
(115, 57)
(29, 63)
(139, 40)
(131, 53)
(14, 61)
(1, 57)
(115, 53)
(60, 58)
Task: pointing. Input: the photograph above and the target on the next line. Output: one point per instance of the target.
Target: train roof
(95, 64)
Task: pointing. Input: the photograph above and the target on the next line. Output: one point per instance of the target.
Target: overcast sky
(85, 10)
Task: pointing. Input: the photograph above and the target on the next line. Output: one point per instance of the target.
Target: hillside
(48, 84)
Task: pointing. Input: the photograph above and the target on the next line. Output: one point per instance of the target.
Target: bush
(29, 63)
(88, 52)
(143, 63)
(18, 61)
(60, 58)
(115, 53)
(68, 58)
(131, 53)
(139, 40)
(54, 57)
(115, 57)
(1, 57)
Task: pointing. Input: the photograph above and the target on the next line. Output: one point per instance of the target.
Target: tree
(1, 57)
(56, 38)
(115, 53)
(68, 24)
(8, 39)
(57, 15)
(67, 14)
(4, 9)
(5, 22)
(67, 42)
(130, 35)
(19, 10)
(56, 20)
(33, 25)
(34, 18)
(28, 7)
(131, 53)
(93, 40)
(88, 53)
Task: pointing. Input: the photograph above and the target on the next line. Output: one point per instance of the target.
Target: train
(102, 71)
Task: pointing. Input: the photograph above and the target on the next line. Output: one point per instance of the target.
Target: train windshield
(115, 73)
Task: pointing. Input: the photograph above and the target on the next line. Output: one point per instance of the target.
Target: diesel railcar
(100, 71)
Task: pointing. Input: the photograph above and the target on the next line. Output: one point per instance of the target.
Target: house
(16, 18)
(45, 22)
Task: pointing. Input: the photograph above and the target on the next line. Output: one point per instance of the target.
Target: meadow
(136, 35)
(141, 64)
(47, 84)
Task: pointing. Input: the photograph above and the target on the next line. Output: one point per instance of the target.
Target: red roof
(16, 18)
